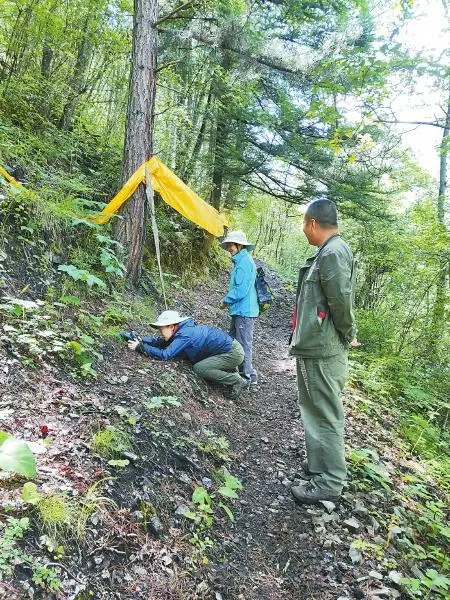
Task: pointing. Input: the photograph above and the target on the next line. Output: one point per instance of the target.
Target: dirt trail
(138, 548)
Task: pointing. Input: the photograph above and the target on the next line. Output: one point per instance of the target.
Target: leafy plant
(11, 555)
(16, 456)
(364, 468)
(160, 401)
(82, 275)
(110, 442)
(431, 581)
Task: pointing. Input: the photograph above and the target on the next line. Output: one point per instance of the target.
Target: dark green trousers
(222, 368)
(320, 382)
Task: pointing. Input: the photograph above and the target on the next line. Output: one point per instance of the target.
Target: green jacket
(325, 322)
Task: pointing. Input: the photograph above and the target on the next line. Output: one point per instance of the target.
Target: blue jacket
(241, 298)
(191, 341)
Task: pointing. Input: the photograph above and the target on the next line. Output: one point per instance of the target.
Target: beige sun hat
(169, 317)
(237, 237)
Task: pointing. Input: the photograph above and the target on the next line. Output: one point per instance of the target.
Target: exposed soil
(136, 543)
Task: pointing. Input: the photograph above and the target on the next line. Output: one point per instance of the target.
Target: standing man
(325, 328)
(241, 299)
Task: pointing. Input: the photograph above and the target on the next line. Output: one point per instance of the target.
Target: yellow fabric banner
(173, 191)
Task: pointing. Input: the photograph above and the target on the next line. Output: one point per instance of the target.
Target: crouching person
(214, 354)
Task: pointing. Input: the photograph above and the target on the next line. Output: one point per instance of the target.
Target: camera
(129, 335)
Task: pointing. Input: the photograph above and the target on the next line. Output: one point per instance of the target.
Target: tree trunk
(439, 317)
(131, 228)
(78, 78)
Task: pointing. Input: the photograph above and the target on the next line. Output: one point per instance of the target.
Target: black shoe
(305, 473)
(129, 335)
(237, 388)
(311, 494)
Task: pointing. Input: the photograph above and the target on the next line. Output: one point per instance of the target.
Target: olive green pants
(320, 382)
(222, 368)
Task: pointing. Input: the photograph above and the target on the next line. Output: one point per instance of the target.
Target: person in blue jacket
(241, 299)
(214, 354)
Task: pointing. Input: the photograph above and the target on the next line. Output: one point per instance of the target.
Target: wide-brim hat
(169, 317)
(237, 237)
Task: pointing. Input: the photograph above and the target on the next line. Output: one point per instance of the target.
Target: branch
(174, 12)
(397, 122)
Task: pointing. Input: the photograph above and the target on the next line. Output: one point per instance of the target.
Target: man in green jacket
(324, 330)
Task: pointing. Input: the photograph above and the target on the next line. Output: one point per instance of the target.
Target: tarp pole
(151, 203)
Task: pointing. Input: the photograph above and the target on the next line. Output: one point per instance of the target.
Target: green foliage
(11, 555)
(16, 456)
(366, 472)
(204, 512)
(84, 353)
(160, 401)
(431, 581)
(81, 275)
(110, 442)
(425, 438)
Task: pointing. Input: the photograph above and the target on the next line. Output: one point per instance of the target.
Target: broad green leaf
(200, 496)
(17, 457)
(227, 492)
(4, 436)
(30, 493)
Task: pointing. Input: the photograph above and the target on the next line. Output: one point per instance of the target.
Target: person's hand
(222, 305)
(354, 343)
(133, 344)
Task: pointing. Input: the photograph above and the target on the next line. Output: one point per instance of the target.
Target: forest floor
(131, 540)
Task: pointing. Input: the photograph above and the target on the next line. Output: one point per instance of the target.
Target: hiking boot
(253, 379)
(305, 473)
(237, 388)
(311, 494)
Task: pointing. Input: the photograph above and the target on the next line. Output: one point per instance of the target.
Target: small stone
(265, 440)
(130, 455)
(286, 482)
(181, 509)
(352, 524)
(375, 575)
(328, 506)
(155, 526)
(395, 576)
(207, 482)
(359, 509)
(124, 378)
(186, 416)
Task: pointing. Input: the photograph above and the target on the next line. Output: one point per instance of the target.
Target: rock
(265, 440)
(395, 576)
(375, 575)
(155, 525)
(328, 506)
(385, 592)
(207, 482)
(352, 524)
(186, 416)
(355, 555)
(181, 509)
(359, 509)
(286, 482)
(130, 455)
(184, 477)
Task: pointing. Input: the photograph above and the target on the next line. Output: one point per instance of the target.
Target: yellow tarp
(173, 191)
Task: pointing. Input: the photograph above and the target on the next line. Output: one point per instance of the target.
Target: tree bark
(77, 83)
(131, 228)
(439, 317)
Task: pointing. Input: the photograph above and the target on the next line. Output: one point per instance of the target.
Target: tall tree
(131, 227)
